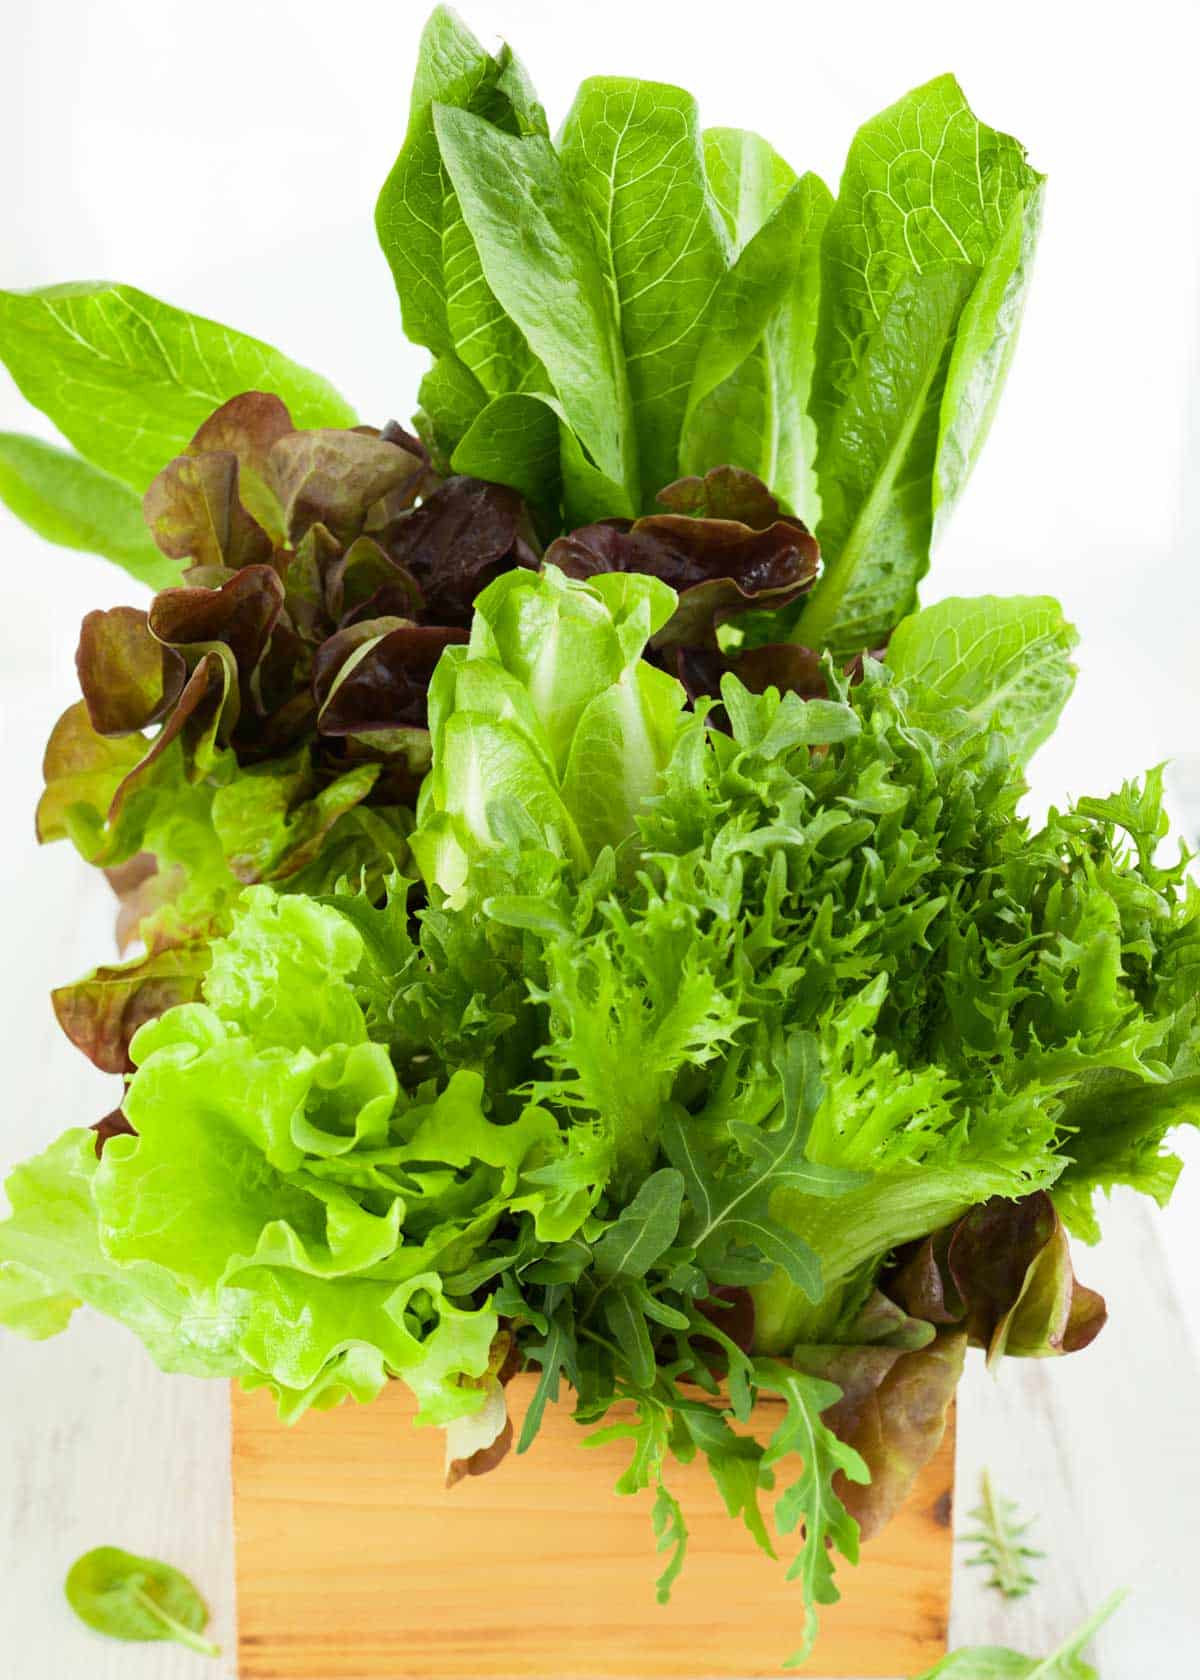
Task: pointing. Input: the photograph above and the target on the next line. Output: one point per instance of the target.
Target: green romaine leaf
(874, 462)
(988, 661)
(129, 379)
(748, 404)
(137, 1598)
(924, 263)
(550, 283)
(632, 152)
(514, 440)
(445, 301)
(72, 503)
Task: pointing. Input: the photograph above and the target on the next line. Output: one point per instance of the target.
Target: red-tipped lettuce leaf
(1004, 1272)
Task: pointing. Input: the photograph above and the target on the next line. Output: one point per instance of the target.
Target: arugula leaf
(736, 1206)
(989, 660)
(810, 1500)
(924, 262)
(1003, 1548)
(991, 1662)
(670, 1534)
(633, 153)
(558, 1356)
(644, 1229)
(76, 505)
(735, 1462)
(137, 1598)
(129, 379)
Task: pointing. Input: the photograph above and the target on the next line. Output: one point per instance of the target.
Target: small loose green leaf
(137, 1598)
(68, 501)
(994, 1662)
(129, 379)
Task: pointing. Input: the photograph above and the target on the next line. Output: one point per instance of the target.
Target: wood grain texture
(354, 1563)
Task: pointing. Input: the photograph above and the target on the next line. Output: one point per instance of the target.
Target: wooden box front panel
(355, 1563)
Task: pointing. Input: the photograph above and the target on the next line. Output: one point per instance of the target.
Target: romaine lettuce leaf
(924, 264)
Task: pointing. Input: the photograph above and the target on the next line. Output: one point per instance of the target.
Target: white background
(226, 156)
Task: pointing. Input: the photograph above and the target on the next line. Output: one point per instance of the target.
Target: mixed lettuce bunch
(586, 921)
(715, 1064)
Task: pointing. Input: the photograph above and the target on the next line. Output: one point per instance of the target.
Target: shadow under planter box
(354, 1562)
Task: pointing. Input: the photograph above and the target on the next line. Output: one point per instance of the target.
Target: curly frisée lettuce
(716, 1064)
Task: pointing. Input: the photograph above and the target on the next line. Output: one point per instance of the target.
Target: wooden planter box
(355, 1563)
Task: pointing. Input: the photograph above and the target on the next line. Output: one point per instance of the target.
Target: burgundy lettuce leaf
(248, 426)
(112, 1125)
(387, 684)
(240, 615)
(893, 1411)
(195, 513)
(101, 1012)
(719, 565)
(332, 478)
(128, 677)
(1003, 1272)
(142, 889)
(461, 537)
(723, 493)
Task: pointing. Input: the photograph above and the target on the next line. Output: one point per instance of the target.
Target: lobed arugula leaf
(129, 380)
(736, 1207)
(1003, 1548)
(811, 1500)
(644, 1229)
(671, 1535)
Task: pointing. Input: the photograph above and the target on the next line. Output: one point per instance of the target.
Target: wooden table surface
(96, 1446)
